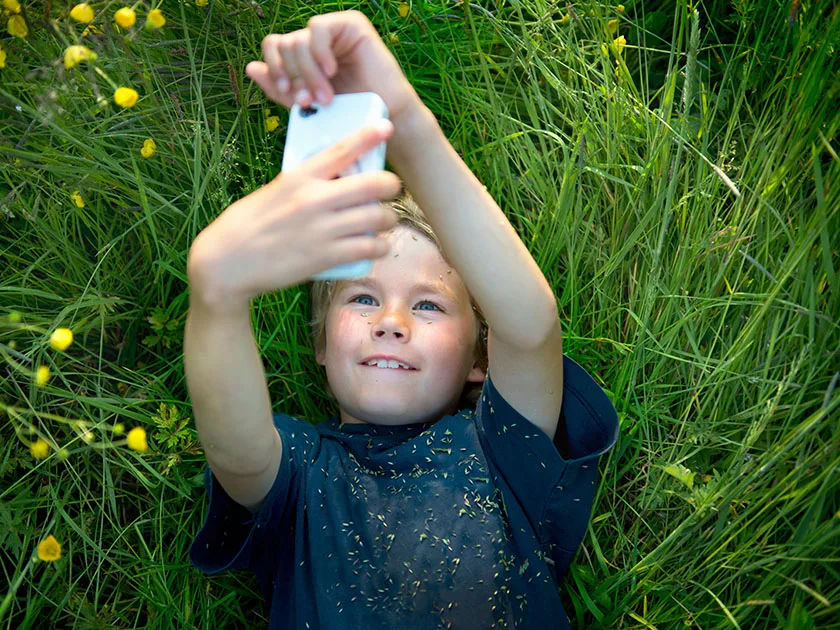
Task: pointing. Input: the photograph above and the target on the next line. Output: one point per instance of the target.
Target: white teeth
(382, 363)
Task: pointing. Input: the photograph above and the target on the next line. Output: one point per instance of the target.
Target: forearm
(476, 237)
(227, 387)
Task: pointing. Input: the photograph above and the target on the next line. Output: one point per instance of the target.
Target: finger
(259, 73)
(280, 54)
(356, 191)
(274, 61)
(329, 163)
(316, 82)
(355, 248)
(321, 46)
(374, 217)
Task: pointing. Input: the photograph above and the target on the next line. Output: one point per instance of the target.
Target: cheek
(345, 326)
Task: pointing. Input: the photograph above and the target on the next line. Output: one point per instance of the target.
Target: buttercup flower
(201, 3)
(92, 28)
(155, 18)
(271, 123)
(125, 17)
(125, 97)
(40, 449)
(2, 57)
(42, 376)
(82, 13)
(612, 26)
(11, 5)
(619, 43)
(403, 9)
(17, 26)
(149, 148)
(61, 339)
(621, 8)
(76, 54)
(77, 199)
(565, 19)
(137, 440)
(49, 550)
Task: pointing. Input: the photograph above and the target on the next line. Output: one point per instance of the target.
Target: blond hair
(410, 215)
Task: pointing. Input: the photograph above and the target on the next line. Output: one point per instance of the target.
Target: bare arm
(226, 382)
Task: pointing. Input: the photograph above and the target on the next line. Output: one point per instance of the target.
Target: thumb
(258, 72)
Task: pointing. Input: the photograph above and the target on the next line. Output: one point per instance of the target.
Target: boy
(408, 510)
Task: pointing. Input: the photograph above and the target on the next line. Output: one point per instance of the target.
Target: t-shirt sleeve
(231, 537)
(553, 481)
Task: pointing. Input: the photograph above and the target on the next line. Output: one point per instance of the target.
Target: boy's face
(433, 331)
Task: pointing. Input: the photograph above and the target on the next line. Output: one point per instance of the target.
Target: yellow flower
(119, 428)
(125, 97)
(77, 199)
(155, 18)
(12, 5)
(2, 57)
(17, 26)
(149, 148)
(403, 9)
(137, 439)
(619, 43)
(61, 339)
(612, 26)
(565, 19)
(40, 449)
(82, 13)
(393, 38)
(125, 17)
(42, 376)
(92, 28)
(49, 550)
(271, 123)
(201, 3)
(76, 54)
(621, 8)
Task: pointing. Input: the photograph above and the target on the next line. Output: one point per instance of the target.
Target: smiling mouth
(388, 369)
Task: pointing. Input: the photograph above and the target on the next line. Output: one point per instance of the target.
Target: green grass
(683, 204)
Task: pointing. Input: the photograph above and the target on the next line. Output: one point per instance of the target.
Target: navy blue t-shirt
(467, 522)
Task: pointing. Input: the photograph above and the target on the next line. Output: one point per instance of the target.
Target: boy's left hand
(337, 53)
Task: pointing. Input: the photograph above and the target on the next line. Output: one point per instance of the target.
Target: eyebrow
(424, 287)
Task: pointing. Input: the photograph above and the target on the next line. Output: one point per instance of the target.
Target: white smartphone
(317, 127)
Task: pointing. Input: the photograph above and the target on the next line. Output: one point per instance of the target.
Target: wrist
(208, 293)
(412, 126)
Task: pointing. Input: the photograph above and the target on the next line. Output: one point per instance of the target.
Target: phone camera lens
(306, 112)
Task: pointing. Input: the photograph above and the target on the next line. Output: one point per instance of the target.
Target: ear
(320, 356)
(476, 375)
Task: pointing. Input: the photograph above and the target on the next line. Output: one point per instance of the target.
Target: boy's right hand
(304, 221)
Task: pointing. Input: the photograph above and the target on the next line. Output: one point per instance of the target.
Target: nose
(391, 323)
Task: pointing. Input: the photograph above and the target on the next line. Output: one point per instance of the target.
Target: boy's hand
(303, 222)
(337, 53)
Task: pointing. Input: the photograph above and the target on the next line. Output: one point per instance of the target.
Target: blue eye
(359, 297)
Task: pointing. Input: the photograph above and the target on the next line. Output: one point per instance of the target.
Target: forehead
(413, 263)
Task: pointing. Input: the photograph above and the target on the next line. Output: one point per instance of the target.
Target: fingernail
(383, 125)
(301, 96)
(321, 95)
(283, 84)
